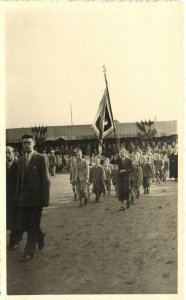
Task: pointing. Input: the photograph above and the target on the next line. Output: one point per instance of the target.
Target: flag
(104, 124)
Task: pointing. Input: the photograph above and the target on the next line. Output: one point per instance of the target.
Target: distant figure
(32, 194)
(165, 167)
(52, 163)
(147, 175)
(114, 177)
(173, 158)
(97, 179)
(158, 163)
(72, 182)
(58, 163)
(107, 171)
(136, 178)
(80, 177)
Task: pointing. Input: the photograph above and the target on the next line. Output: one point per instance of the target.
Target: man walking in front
(32, 194)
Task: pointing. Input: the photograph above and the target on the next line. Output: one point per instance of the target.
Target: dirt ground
(98, 249)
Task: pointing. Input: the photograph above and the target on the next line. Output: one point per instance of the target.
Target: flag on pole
(104, 123)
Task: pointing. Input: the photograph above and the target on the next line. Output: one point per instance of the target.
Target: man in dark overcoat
(32, 194)
(125, 167)
(12, 211)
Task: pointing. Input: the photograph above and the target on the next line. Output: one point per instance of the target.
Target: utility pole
(71, 113)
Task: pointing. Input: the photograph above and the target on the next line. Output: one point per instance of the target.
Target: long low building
(82, 132)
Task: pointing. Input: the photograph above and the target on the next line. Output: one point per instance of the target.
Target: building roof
(80, 132)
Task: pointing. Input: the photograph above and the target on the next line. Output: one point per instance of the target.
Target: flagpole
(104, 72)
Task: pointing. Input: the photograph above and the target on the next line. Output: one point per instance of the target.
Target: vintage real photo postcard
(92, 149)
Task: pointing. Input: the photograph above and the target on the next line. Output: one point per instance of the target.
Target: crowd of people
(139, 168)
(90, 147)
(61, 156)
(28, 180)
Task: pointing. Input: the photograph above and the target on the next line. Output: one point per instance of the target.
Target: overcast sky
(54, 58)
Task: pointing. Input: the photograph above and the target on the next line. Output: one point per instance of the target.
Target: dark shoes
(132, 199)
(128, 204)
(122, 208)
(26, 257)
(75, 197)
(84, 203)
(41, 242)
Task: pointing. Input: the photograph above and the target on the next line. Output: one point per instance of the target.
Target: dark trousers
(15, 237)
(30, 219)
(13, 224)
(123, 190)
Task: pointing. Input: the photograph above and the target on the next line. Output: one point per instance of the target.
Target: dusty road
(98, 249)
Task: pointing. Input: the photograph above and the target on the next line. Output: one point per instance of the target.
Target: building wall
(80, 132)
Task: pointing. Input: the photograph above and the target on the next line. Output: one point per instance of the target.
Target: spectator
(52, 163)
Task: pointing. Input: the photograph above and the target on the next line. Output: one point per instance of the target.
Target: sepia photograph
(94, 103)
